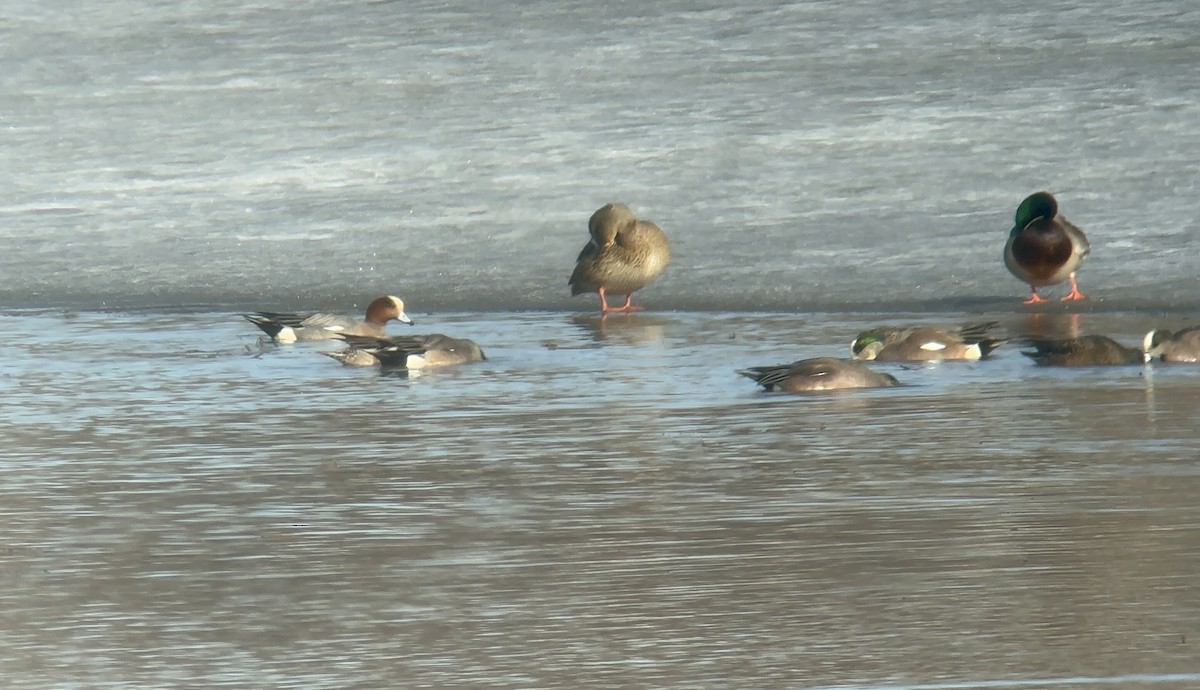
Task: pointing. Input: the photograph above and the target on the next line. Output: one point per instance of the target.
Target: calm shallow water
(597, 504)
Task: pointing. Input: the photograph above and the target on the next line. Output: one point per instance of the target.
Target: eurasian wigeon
(289, 327)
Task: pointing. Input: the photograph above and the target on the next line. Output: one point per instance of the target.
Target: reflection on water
(1041, 325)
(622, 509)
(632, 328)
(1138, 680)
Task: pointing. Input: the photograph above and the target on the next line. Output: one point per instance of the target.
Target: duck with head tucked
(624, 255)
(289, 327)
(1083, 351)
(1180, 346)
(925, 343)
(818, 374)
(407, 351)
(1045, 248)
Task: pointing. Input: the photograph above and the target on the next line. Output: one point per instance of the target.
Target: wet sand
(601, 503)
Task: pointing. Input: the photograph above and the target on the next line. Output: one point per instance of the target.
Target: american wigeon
(289, 327)
(924, 343)
(1086, 350)
(624, 255)
(1045, 248)
(1180, 346)
(818, 374)
(408, 351)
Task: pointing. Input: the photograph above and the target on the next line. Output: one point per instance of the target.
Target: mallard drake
(924, 343)
(1045, 248)
(1086, 350)
(407, 351)
(1180, 346)
(288, 327)
(624, 255)
(819, 374)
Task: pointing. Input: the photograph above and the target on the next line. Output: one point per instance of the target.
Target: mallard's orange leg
(626, 308)
(1034, 297)
(1074, 294)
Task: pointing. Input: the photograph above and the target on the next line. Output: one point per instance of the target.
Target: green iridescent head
(1037, 205)
(867, 345)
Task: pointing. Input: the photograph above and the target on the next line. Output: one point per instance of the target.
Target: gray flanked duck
(1045, 248)
(408, 351)
(1180, 346)
(1086, 350)
(289, 327)
(925, 343)
(818, 374)
(624, 255)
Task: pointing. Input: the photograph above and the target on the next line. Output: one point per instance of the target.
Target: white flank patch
(415, 362)
(286, 335)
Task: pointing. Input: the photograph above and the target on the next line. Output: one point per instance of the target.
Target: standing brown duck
(624, 255)
(1045, 248)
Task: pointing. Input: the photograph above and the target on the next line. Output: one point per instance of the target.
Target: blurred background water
(603, 502)
(806, 155)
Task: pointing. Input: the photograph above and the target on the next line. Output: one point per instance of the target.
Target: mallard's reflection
(1042, 326)
(628, 328)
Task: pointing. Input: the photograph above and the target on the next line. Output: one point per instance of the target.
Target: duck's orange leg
(1034, 297)
(626, 308)
(604, 308)
(1074, 294)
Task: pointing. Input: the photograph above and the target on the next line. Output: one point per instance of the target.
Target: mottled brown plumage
(624, 255)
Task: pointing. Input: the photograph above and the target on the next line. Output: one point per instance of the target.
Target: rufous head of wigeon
(387, 308)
